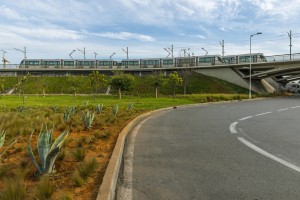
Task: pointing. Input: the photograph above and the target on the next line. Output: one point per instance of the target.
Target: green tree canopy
(122, 82)
(174, 80)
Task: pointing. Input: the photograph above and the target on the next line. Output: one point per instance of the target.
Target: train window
(86, 63)
(168, 62)
(68, 63)
(36, 63)
(205, 60)
(150, 62)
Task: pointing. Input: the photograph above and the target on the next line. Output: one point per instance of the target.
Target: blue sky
(53, 28)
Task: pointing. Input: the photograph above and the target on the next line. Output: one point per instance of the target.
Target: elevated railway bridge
(270, 76)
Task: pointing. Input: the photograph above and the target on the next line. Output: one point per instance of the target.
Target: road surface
(232, 150)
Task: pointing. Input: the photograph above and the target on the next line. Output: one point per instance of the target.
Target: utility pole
(168, 52)
(95, 55)
(82, 52)
(172, 50)
(290, 36)
(222, 44)
(3, 59)
(126, 51)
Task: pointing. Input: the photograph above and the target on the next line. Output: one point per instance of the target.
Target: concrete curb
(107, 189)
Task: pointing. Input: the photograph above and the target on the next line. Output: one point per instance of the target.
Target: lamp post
(4, 60)
(250, 64)
(205, 51)
(24, 52)
(82, 52)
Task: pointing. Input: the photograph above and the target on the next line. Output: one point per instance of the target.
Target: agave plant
(47, 154)
(68, 114)
(99, 108)
(115, 110)
(130, 106)
(88, 119)
(2, 140)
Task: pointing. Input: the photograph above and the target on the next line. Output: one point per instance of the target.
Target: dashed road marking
(232, 128)
(282, 109)
(263, 114)
(269, 155)
(245, 118)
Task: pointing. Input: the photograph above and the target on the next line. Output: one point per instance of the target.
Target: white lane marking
(295, 107)
(282, 109)
(126, 188)
(269, 155)
(263, 114)
(232, 128)
(245, 118)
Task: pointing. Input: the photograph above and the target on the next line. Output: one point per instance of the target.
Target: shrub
(44, 189)
(86, 168)
(13, 190)
(79, 154)
(76, 178)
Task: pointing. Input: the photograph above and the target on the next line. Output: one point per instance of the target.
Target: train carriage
(186, 61)
(209, 60)
(31, 63)
(150, 63)
(131, 63)
(168, 62)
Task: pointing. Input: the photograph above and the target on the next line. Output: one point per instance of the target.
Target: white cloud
(42, 33)
(126, 36)
(11, 13)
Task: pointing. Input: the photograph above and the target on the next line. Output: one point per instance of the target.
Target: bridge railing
(283, 57)
(9, 66)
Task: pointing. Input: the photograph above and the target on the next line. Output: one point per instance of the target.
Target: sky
(54, 28)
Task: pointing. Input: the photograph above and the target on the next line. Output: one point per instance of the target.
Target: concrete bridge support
(231, 76)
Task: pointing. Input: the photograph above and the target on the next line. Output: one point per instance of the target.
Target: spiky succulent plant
(88, 119)
(2, 140)
(47, 154)
(115, 110)
(99, 108)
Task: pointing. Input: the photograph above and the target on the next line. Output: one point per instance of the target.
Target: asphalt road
(234, 150)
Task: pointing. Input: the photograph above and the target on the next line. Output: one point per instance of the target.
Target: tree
(122, 82)
(21, 85)
(185, 73)
(157, 81)
(97, 80)
(174, 80)
(2, 82)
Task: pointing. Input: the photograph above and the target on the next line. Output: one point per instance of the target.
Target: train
(191, 61)
(244, 58)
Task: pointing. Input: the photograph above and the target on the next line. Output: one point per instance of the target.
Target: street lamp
(110, 57)
(95, 55)
(259, 33)
(205, 51)
(82, 52)
(24, 52)
(72, 53)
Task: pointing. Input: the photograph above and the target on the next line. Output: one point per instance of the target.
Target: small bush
(76, 178)
(78, 154)
(13, 190)
(86, 168)
(44, 189)
(65, 196)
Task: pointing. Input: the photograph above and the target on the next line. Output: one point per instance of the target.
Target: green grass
(147, 103)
